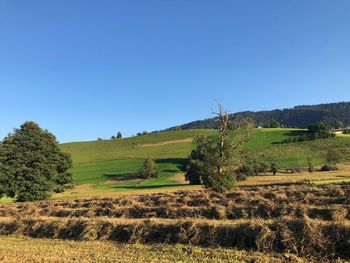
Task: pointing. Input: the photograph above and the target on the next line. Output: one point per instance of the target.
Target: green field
(103, 164)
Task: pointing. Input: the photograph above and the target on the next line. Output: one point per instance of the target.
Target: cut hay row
(262, 210)
(306, 220)
(304, 237)
(327, 202)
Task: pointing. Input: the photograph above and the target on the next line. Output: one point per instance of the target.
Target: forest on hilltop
(334, 115)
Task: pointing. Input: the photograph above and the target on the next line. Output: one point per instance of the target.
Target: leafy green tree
(318, 131)
(119, 135)
(195, 167)
(216, 157)
(149, 169)
(32, 166)
(274, 168)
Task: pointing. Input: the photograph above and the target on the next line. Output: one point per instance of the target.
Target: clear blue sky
(86, 69)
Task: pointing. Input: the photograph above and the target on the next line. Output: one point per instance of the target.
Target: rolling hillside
(112, 165)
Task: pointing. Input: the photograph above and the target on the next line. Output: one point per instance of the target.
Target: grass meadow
(105, 166)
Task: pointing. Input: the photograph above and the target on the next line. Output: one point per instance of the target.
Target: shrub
(328, 167)
(274, 168)
(333, 157)
(252, 168)
(241, 177)
(149, 169)
(220, 183)
(311, 168)
(246, 169)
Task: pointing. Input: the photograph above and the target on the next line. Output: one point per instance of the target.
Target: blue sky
(85, 69)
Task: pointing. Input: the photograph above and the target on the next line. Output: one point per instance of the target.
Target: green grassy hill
(102, 165)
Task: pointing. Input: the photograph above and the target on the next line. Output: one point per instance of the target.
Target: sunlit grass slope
(172, 144)
(151, 145)
(104, 163)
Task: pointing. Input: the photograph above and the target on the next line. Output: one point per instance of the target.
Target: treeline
(336, 115)
(314, 132)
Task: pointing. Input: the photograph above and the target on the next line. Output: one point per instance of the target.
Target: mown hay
(304, 237)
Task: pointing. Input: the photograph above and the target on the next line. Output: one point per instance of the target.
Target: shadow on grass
(292, 134)
(180, 163)
(176, 165)
(121, 176)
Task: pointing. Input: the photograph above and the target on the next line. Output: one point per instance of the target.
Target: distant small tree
(119, 135)
(149, 169)
(332, 157)
(177, 128)
(113, 137)
(144, 133)
(274, 168)
(311, 168)
(99, 139)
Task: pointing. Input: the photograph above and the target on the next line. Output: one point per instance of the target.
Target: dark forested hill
(333, 114)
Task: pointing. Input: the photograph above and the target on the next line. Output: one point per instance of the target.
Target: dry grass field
(309, 221)
(24, 250)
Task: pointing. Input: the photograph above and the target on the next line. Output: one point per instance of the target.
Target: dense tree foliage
(32, 166)
(253, 167)
(333, 115)
(149, 169)
(314, 132)
(216, 157)
(119, 135)
(274, 168)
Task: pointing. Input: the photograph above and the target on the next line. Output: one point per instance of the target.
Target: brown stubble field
(308, 221)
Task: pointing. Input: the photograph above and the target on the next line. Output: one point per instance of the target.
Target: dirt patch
(165, 143)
